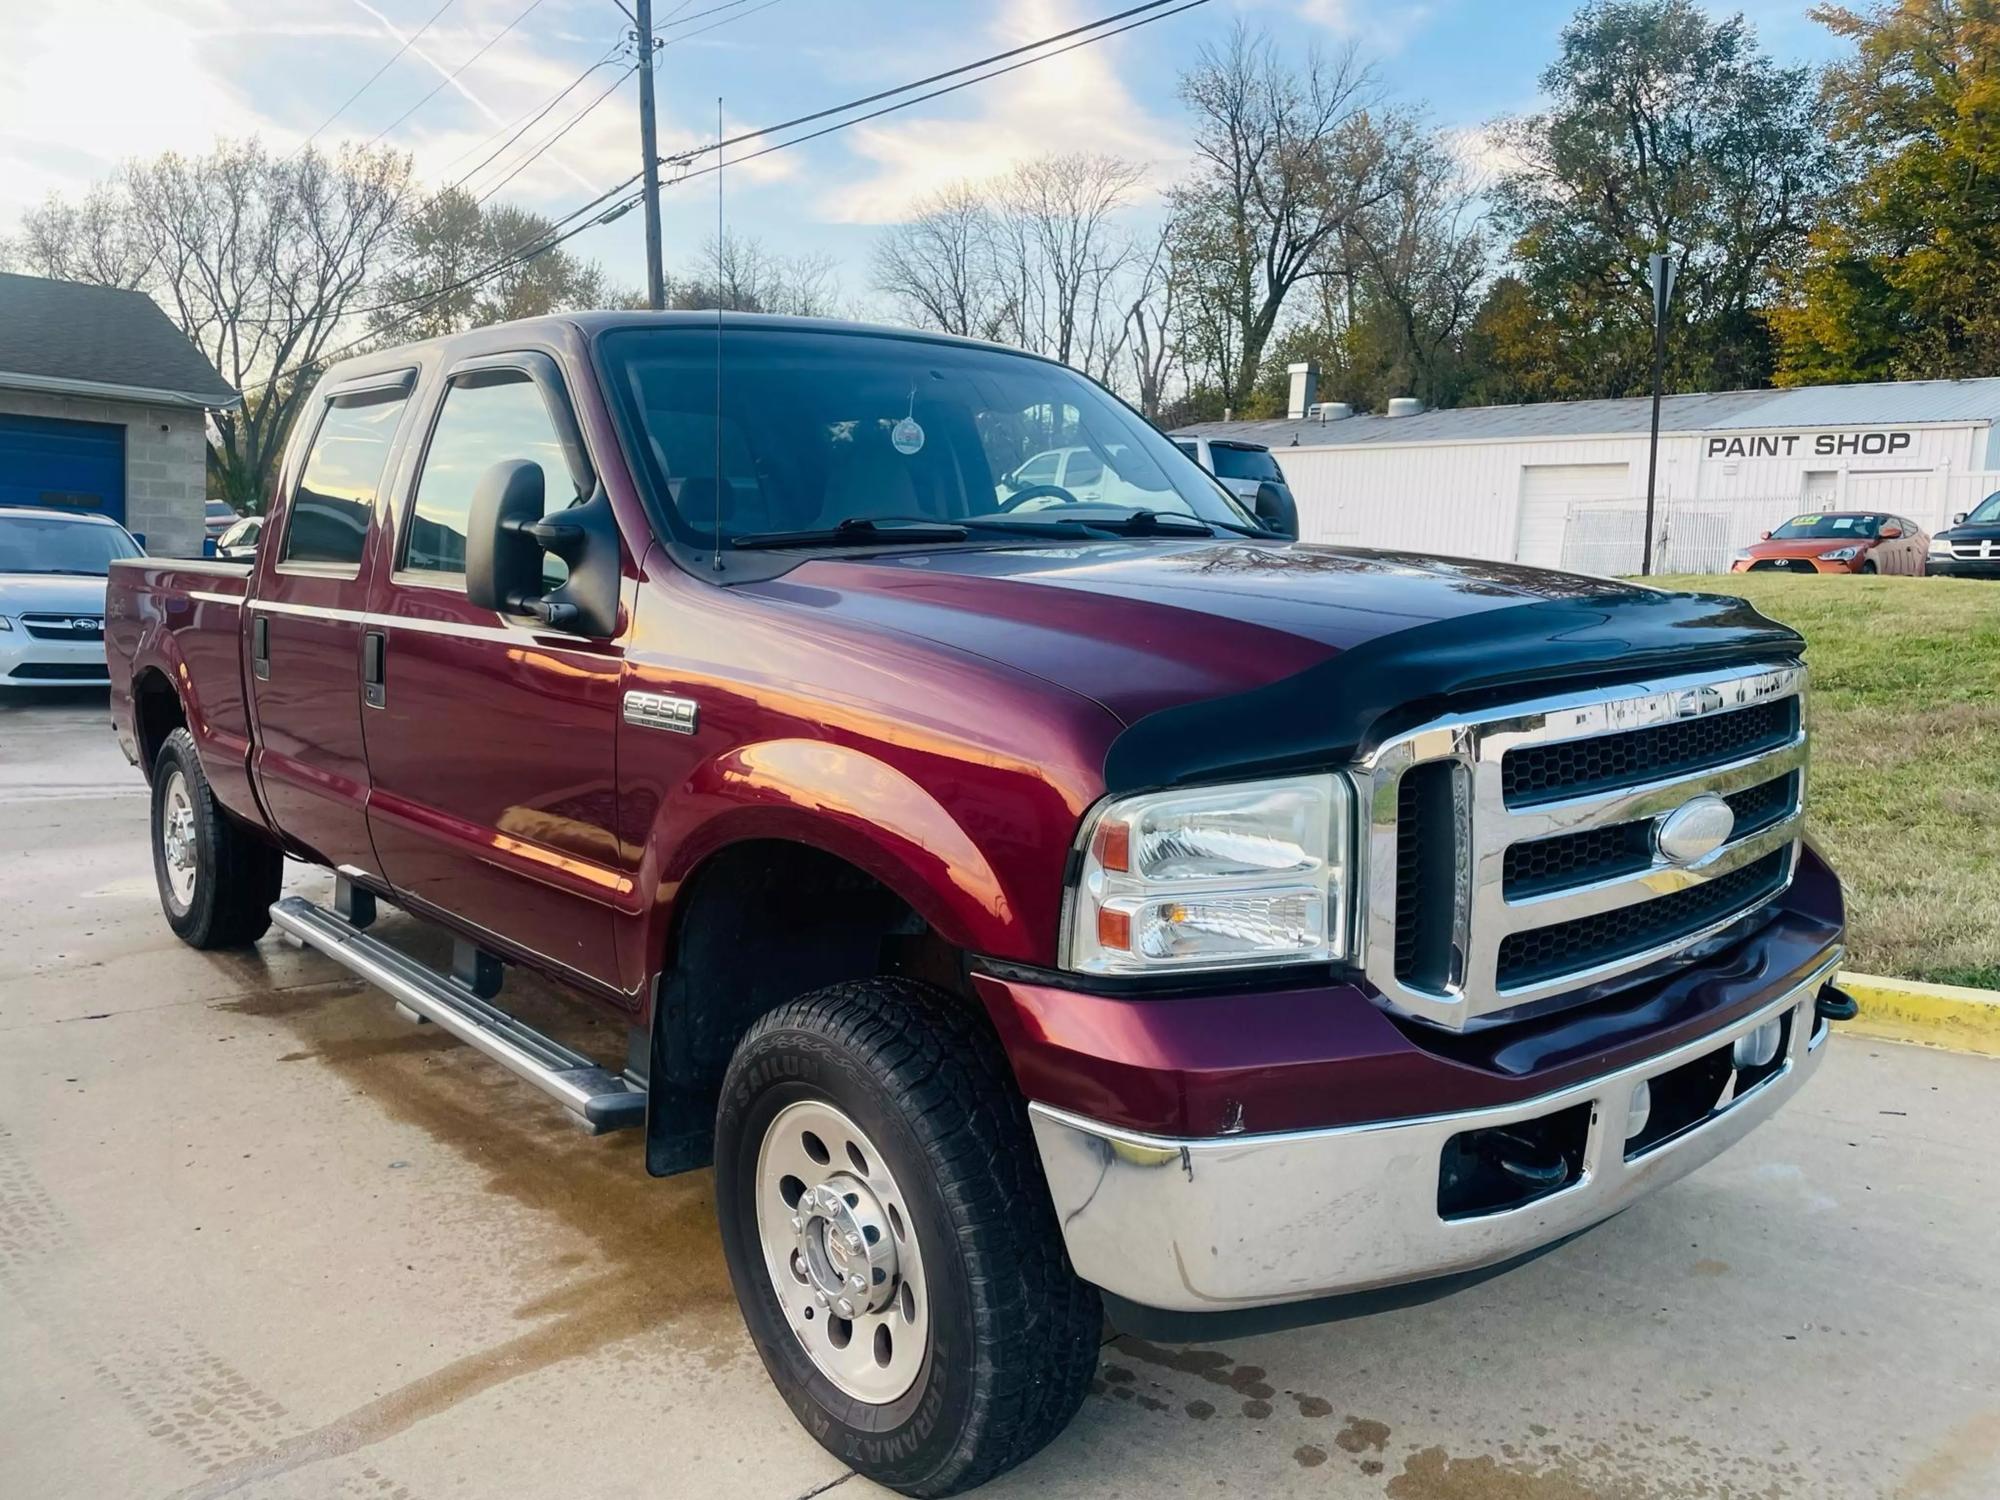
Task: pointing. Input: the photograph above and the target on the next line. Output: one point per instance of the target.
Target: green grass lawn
(1904, 791)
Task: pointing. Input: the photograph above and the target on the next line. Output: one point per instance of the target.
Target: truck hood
(50, 594)
(1277, 650)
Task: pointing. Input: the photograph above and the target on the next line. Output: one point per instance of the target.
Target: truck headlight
(1221, 878)
(1940, 547)
(1840, 554)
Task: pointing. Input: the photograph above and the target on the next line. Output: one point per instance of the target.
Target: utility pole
(642, 34)
(1660, 274)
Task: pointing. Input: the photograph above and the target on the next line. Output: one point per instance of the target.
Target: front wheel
(217, 880)
(891, 1239)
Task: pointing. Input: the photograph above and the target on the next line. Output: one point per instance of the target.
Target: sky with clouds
(85, 84)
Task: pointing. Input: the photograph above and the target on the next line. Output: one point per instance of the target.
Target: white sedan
(52, 570)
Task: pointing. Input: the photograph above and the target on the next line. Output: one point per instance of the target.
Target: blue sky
(85, 83)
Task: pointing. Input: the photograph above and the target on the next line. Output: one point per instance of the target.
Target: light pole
(1660, 276)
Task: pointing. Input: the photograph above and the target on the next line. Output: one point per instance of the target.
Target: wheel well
(156, 713)
(758, 924)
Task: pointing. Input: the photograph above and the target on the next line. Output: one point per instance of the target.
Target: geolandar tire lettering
(217, 880)
(891, 1239)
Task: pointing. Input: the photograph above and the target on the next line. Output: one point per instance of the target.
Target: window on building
(486, 419)
(329, 513)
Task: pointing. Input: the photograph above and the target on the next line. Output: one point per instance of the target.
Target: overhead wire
(452, 76)
(408, 42)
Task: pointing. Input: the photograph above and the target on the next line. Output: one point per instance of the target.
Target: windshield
(56, 544)
(1818, 527)
(820, 428)
(1986, 512)
(1246, 463)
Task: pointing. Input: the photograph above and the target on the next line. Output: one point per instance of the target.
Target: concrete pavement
(258, 1237)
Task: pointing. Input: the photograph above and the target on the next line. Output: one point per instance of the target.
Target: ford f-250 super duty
(1034, 906)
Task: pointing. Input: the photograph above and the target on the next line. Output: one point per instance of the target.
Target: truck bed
(180, 621)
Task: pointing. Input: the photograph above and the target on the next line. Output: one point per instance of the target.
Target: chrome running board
(599, 1099)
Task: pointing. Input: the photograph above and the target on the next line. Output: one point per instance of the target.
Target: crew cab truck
(1032, 911)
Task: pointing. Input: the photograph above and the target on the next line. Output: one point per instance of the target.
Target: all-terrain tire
(235, 873)
(1013, 1333)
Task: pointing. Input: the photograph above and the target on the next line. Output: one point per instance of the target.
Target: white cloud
(1078, 101)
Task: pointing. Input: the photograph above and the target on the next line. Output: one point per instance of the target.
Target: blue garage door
(63, 465)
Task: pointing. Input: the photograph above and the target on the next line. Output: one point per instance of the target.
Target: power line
(408, 42)
(452, 76)
(574, 120)
(529, 124)
(726, 20)
(904, 88)
(682, 158)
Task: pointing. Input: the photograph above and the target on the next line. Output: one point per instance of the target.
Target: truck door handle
(373, 689)
(260, 647)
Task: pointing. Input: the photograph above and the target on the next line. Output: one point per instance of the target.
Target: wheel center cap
(845, 1246)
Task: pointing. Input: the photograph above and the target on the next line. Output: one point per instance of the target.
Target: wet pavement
(259, 1237)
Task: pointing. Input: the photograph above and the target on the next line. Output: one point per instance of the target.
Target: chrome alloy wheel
(841, 1251)
(177, 841)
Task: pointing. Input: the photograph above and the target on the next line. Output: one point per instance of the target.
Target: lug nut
(859, 1283)
(854, 1242)
(846, 1308)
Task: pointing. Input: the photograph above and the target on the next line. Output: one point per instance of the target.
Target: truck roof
(494, 337)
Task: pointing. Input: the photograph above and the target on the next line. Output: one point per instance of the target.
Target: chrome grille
(1512, 856)
(1987, 550)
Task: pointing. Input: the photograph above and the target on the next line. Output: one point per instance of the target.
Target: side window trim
(546, 376)
(399, 382)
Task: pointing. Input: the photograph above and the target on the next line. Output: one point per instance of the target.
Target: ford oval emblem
(1694, 830)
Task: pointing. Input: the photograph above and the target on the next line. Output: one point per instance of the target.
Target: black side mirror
(503, 561)
(1277, 511)
(1959, 519)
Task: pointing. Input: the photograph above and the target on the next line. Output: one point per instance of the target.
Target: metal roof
(1881, 403)
(70, 338)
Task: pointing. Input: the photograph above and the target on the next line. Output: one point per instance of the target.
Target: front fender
(849, 803)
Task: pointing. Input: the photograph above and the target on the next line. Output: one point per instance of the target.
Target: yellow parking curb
(1933, 1015)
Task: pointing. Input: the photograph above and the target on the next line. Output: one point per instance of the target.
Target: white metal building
(1564, 484)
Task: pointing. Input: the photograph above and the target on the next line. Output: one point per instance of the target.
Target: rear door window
(1245, 463)
(328, 522)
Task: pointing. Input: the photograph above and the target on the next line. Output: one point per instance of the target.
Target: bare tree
(89, 241)
(261, 262)
(1058, 252)
(937, 266)
(1286, 162)
(741, 275)
(1153, 333)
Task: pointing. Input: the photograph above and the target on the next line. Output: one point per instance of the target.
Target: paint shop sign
(1807, 445)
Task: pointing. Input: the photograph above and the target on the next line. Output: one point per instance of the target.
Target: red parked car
(1838, 541)
(1033, 911)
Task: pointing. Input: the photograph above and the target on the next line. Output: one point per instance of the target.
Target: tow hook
(1835, 1004)
(1537, 1167)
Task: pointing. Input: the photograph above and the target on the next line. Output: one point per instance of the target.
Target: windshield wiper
(1152, 523)
(855, 531)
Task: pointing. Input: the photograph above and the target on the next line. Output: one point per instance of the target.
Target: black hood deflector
(1339, 710)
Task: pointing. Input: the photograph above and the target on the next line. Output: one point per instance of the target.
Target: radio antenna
(720, 256)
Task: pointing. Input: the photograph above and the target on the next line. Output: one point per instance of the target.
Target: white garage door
(1547, 493)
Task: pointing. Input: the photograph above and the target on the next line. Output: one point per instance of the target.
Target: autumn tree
(738, 273)
(1903, 276)
(936, 266)
(443, 277)
(1286, 159)
(1667, 131)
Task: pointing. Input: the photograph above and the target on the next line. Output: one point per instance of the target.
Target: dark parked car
(1032, 913)
(1970, 546)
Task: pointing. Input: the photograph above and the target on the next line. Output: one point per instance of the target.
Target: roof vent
(1304, 393)
(1329, 411)
(1405, 406)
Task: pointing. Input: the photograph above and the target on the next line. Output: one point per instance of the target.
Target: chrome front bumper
(1225, 1223)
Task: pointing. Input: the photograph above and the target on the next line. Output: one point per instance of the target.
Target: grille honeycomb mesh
(1572, 768)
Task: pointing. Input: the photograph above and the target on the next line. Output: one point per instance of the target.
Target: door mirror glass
(503, 561)
(1276, 511)
(1959, 519)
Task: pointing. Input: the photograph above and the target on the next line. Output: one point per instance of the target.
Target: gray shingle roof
(66, 336)
(1887, 402)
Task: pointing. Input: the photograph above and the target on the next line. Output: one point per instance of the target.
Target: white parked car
(52, 570)
(239, 542)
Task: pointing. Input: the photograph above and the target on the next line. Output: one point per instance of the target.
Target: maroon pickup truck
(1036, 905)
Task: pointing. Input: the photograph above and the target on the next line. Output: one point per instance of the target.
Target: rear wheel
(217, 880)
(891, 1238)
